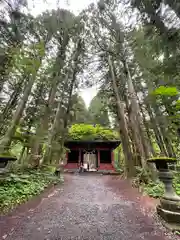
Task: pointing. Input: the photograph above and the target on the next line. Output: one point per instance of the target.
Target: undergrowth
(156, 190)
(153, 189)
(142, 177)
(18, 188)
(177, 182)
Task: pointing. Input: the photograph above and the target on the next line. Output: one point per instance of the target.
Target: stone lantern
(169, 207)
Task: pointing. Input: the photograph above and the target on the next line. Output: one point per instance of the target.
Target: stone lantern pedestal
(169, 207)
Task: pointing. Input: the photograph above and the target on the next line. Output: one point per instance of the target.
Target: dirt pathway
(87, 207)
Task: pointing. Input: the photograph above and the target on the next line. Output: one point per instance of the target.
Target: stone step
(103, 172)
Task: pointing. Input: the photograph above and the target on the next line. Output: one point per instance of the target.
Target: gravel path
(87, 207)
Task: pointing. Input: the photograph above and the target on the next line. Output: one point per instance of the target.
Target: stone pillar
(112, 158)
(98, 153)
(79, 160)
(66, 160)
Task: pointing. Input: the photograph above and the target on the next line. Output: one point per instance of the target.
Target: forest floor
(86, 207)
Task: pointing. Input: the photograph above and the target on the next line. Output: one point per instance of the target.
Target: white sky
(38, 6)
(76, 6)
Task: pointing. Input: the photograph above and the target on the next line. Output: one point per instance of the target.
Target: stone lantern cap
(5, 158)
(163, 159)
(162, 162)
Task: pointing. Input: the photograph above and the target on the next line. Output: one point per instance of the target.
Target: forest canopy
(129, 49)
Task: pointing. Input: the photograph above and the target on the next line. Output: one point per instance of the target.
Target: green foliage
(18, 135)
(79, 112)
(89, 132)
(98, 111)
(18, 188)
(177, 233)
(177, 106)
(142, 177)
(155, 190)
(166, 91)
(118, 166)
(177, 183)
(16, 149)
(119, 159)
(8, 155)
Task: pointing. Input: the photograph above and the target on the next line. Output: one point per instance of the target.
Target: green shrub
(89, 132)
(18, 188)
(177, 183)
(155, 190)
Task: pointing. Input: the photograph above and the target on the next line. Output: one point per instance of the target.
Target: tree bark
(136, 119)
(164, 131)
(6, 141)
(51, 137)
(21, 154)
(129, 164)
(11, 104)
(54, 129)
(42, 130)
(156, 130)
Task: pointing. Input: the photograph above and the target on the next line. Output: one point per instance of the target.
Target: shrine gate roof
(110, 144)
